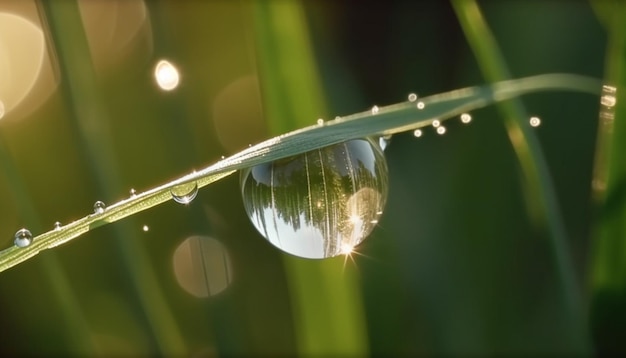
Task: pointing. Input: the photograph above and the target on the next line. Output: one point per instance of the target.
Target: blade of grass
(390, 119)
(87, 116)
(543, 200)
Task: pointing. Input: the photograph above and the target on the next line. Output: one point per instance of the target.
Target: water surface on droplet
(315, 204)
(23, 238)
(185, 193)
(98, 207)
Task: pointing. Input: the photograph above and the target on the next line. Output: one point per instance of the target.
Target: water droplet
(98, 207)
(133, 193)
(384, 141)
(185, 193)
(412, 97)
(535, 121)
(314, 204)
(145, 228)
(466, 118)
(441, 130)
(420, 105)
(166, 75)
(417, 133)
(375, 110)
(23, 238)
(337, 118)
(320, 121)
(57, 225)
(223, 157)
(436, 123)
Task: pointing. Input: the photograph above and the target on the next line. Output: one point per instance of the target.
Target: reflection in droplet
(412, 97)
(98, 207)
(375, 110)
(436, 123)
(441, 130)
(23, 238)
(185, 193)
(202, 266)
(417, 133)
(535, 121)
(466, 118)
(311, 204)
(166, 75)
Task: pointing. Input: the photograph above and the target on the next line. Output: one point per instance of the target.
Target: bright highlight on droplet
(535, 121)
(436, 123)
(466, 118)
(412, 97)
(375, 110)
(166, 75)
(417, 133)
(420, 105)
(346, 249)
(441, 130)
(145, 228)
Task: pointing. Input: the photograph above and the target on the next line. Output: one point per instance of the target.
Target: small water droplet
(375, 110)
(466, 118)
(384, 141)
(535, 121)
(420, 105)
(436, 123)
(412, 97)
(133, 192)
(441, 130)
(320, 121)
(23, 238)
(314, 204)
(185, 193)
(98, 207)
(223, 157)
(417, 133)
(57, 225)
(337, 118)
(145, 228)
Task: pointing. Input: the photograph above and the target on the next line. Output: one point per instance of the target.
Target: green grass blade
(390, 119)
(543, 203)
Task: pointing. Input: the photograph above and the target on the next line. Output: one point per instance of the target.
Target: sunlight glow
(166, 75)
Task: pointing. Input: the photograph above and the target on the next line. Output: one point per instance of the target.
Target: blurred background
(101, 97)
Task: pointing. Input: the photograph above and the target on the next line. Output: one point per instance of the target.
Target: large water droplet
(185, 193)
(98, 207)
(23, 238)
(316, 204)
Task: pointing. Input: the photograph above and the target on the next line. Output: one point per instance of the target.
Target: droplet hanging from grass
(316, 204)
(184, 193)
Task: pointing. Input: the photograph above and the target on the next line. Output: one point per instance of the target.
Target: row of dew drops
(186, 193)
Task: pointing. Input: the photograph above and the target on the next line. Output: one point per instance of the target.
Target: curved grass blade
(387, 120)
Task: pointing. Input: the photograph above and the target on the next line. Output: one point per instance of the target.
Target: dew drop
(185, 193)
(133, 193)
(98, 207)
(145, 228)
(57, 226)
(337, 118)
(466, 118)
(441, 130)
(417, 133)
(316, 204)
(375, 110)
(223, 157)
(412, 97)
(23, 238)
(436, 123)
(535, 121)
(420, 105)
(384, 141)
